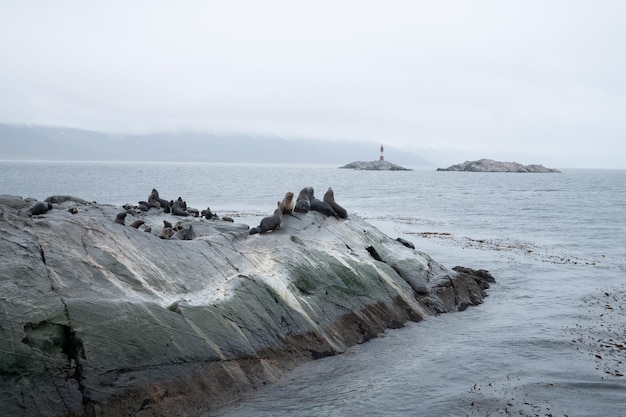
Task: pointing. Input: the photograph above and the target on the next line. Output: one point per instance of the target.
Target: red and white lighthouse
(382, 157)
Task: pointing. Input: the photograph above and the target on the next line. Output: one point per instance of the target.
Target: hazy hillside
(56, 143)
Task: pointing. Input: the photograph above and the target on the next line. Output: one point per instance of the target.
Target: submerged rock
(102, 319)
(489, 165)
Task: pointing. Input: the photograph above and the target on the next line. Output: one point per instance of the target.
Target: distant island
(489, 165)
(375, 166)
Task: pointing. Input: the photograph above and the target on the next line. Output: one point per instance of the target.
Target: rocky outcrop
(489, 165)
(375, 166)
(104, 319)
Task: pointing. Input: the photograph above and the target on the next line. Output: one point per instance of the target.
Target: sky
(527, 81)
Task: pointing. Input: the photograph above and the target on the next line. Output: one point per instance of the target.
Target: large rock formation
(489, 165)
(103, 319)
(375, 166)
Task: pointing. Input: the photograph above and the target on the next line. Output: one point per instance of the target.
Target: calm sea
(550, 340)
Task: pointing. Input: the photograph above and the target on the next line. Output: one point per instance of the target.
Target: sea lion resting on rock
(59, 199)
(269, 223)
(207, 214)
(153, 202)
(319, 205)
(121, 218)
(177, 208)
(303, 205)
(184, 234)
(39, 208)
(329, 198)
(166, 233)
(137, 223)
(287, 204)
(155, 195)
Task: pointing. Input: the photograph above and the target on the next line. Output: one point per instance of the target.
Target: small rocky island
(103, 313)
(489, 165)
(380, 165)
(375, 166)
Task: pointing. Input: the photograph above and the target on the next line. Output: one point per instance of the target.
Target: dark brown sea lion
(207, 214)
(153, 202)
(272, 222)
(39, 208)
(136, 224)
(155, 194)
(303, 205)
(329, 198)
(178, 210)
(121, 218)
(167, 224)
(319, 205)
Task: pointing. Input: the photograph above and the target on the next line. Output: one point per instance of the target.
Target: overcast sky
(526, 81)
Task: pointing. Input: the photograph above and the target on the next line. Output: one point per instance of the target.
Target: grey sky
(529, 81)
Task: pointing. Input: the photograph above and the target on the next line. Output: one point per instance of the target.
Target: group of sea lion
(176, 231)
(306, 201)
(176, 207)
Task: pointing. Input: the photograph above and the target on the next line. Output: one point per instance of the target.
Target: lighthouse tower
(382, 157)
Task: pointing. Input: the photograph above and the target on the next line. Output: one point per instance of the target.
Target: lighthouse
(382, 157)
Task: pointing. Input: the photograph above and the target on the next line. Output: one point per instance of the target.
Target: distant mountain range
(32, 142)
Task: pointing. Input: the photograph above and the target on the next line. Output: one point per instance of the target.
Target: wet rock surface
(101, 318)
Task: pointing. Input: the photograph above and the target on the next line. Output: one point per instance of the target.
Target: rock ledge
(103, 319)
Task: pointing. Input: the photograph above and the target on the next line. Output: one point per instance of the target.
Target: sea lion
(329, 197)
(167, 224)
(287, 204)
(166, 233)
(178, 226)
(59, 199)
(272, 222)
(73, 210)
(193, 211)
(155, 194)
(120, 218)
(207, 214)
(153, 202)
(319, 205)
(184, 234)
(303, 205)
(143, 205)
(178, 210)
(39, 208)
(228, 219)
(136, 224)
(148, 229)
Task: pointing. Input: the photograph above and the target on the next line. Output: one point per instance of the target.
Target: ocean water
(549, 340)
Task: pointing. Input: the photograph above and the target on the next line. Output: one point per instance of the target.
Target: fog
(525, 81)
